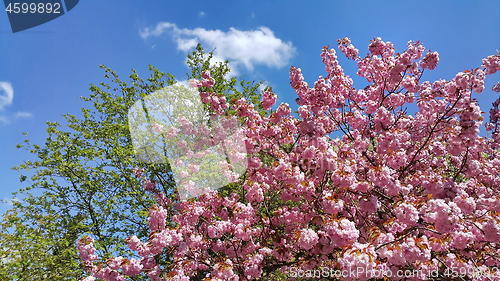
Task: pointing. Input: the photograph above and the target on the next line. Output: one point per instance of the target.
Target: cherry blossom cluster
(128, 267)
(269, 99)
(396, 192)
(216, 101)
(491, 64)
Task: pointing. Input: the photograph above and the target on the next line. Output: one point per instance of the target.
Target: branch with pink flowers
(396, 192)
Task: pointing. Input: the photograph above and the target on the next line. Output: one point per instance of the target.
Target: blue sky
(44, 70)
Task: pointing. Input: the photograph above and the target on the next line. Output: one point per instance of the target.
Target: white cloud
(4, 120)
(6, 98)
(186, 44)
(145, 33)
(184, 83)
(248, 48)
(8, 95)
(202, 14)
(20, 114)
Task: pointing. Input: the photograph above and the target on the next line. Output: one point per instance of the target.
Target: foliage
(37, 250)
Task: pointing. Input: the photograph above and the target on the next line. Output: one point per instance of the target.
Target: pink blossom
(157, 128)
(347, 48)
(491, 230)
(269, 99)
(137, 171)
(407, 214)
(178, 162)
(132, 268)
(307, 239)
(148, 185)
(496, 88)
(171, 132)
(181, 144)
(430, 60)
(194, 168)
(392, 191)
(491, 64)
(194, 83)
(157, 217)
(360, 258)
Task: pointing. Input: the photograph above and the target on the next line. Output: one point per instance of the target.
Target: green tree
(38, 249)
(86, 177)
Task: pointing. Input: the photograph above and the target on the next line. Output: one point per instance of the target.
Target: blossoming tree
(397, 192)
